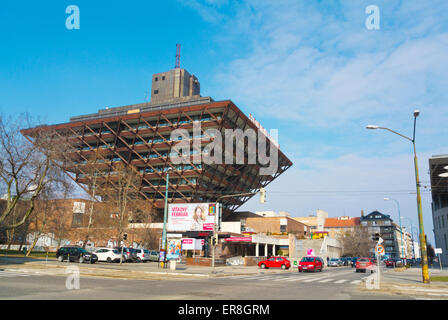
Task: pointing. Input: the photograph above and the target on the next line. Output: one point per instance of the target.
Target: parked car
(108, 254)
(364, 264)
(77, 254)
(153, 255)
(394, 262)
(346, 260)
(311, 264)
(129, 253)
(275, 262)
(334, 262)
(142, 255)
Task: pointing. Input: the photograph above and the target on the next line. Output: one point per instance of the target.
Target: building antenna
(177, 56)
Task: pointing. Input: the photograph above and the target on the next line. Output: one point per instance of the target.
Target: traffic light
(215, 240)
(262, 195)
(376, 237)
(125, 236)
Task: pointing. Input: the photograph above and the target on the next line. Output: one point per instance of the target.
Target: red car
(364, 264)
(275, 262)
(311, 264)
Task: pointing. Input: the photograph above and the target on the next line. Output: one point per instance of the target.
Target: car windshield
(333, 259)
(363, 260)
(307, 259)
(115, 251)
(83, 250)
(146, 251)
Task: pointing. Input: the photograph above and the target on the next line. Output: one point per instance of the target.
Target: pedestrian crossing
(12, 274)
(292, 278)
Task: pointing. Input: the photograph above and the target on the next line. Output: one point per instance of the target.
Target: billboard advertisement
(173, 250)
(192, 244)
(191, 216)
(188, 244)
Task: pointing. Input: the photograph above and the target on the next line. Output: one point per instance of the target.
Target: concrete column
(265, 249)
(273, 249)
(257, 249)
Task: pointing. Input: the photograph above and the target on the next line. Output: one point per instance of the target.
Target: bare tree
(27, 165)
(47, 208)
(358, 242)
(121, 196)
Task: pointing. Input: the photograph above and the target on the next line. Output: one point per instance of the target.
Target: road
(333, 283)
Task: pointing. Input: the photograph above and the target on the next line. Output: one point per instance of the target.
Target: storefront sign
(239, 239)
(188, 244)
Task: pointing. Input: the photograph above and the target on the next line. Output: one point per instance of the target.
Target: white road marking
(326, 280)
(341, 281)
(8, 274)
(313, 279)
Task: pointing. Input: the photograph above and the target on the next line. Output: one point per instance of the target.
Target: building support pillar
(266, 249)
(273, 249)
(257, 249)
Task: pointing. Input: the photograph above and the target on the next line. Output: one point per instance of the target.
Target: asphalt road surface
(332, 283)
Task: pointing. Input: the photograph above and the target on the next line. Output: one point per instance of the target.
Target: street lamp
(425, 274)
(399, 219)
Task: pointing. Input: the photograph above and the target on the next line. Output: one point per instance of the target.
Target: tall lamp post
(165, 214)
(425, 273)
(399, 219)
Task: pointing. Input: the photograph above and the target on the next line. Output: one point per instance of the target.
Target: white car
(142, 255)
(108, 255)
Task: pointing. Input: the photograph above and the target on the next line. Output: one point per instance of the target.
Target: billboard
(191, 216)
(173, 249)
(192, 244)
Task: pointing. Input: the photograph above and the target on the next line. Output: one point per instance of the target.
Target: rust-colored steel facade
(141, 141)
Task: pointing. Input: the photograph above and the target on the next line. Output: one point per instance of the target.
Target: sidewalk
(408, 282)
(129, 270)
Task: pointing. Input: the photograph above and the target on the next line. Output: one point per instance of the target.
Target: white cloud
(314, 65)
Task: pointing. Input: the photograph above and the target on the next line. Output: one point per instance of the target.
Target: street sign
(379, 249)
(438, 250)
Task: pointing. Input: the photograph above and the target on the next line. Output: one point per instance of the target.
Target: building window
(282, 228)
(156, 91)
(77, 220)
(156, 79)
(446, 243)
(163, 77)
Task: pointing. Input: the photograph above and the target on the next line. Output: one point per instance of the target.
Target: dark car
(77, 254)
(346, 260)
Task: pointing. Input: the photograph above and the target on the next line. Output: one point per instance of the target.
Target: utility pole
(165, 215)
(423, 250)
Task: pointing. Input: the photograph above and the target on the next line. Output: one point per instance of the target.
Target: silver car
(143, 255)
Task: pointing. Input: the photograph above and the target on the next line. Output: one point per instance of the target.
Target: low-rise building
(337, 227)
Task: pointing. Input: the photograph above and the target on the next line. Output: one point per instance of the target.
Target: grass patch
(439, 278)
(16, 253)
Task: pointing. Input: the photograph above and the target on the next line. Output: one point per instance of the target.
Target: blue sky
(308, 68)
